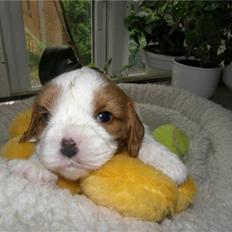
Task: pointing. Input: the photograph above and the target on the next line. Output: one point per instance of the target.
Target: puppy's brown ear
(135, 131)
(36, 126)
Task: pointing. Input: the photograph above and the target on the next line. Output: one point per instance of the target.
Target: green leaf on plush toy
(173, 138)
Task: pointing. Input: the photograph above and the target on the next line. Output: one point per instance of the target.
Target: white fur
(32, 170)
(73, 117)
(155, 154)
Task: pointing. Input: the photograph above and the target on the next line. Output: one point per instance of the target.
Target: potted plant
(156, 28)
(205, 37)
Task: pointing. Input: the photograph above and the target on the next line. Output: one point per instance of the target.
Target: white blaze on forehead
(78, 90)
(66, 79)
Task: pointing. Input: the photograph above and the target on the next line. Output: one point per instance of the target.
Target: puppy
(80, 120)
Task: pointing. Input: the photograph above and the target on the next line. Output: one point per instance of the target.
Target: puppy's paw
(160, 157)
(176, 170)
(33, 171)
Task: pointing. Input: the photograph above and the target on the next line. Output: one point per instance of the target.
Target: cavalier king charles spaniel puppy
(80, 120)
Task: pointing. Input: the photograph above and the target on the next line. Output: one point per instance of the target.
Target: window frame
(13, 40)
(108, 31)
(4, 83)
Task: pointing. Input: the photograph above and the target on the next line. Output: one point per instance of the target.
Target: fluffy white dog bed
(28, 207)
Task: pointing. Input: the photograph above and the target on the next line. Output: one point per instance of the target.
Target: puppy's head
(80, 120)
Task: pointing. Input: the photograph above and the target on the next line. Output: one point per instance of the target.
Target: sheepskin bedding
(27, 207)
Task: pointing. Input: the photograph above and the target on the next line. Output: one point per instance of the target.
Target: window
(95, 29)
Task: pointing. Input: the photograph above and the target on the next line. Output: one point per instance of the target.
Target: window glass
(47, 23)
(78, 15)
(135, 60)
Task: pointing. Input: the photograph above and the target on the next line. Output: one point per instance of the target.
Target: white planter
(227, 76)
(157, 61)
(200, 81)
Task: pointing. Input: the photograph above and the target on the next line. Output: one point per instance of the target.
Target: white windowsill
(156, 75)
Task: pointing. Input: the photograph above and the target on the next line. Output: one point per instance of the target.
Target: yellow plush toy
(124, 183)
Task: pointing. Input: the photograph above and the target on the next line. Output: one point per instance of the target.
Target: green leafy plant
(78, 14)
(201, 29)
(158, 23)
(208, 32)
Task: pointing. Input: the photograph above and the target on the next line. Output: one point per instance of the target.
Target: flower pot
(157, 61)
(156, 58)
(227, 76)
(200, 81)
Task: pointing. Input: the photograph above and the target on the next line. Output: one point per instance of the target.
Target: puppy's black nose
(69, 148)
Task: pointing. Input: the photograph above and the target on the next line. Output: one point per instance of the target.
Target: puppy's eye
(104, 116)
(45, 117)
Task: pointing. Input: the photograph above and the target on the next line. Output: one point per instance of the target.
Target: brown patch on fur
(135, 131)
(125, 126)
(42, 108)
